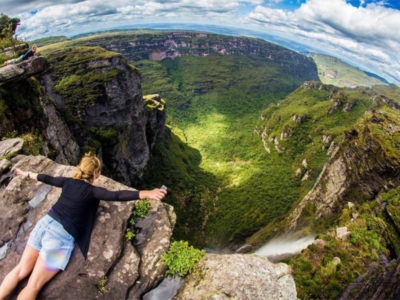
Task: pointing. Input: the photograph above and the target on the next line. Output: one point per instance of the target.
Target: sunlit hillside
(332, 70)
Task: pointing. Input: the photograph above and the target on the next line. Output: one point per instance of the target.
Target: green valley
(213, 105)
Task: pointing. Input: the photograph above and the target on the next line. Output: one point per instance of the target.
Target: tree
(8, 26)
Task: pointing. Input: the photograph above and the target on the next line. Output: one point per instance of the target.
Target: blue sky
(365, 33)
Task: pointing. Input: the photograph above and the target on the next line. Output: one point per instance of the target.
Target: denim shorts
(53, 242)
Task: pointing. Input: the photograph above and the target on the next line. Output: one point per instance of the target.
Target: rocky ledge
(22, 70)
(114, 268)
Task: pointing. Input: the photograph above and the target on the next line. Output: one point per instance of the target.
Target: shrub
(142, 208)
(32, 144)
(101, 284)
(182, 259)
(129, 234)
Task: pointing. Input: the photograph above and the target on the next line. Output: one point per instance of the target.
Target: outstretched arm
(24, 174)
(127, 195)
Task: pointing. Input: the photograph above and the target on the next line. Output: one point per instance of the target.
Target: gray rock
(57, 132)
(11, 146)
(4, 164)
(111, 258)
(239, 276)
(342, 233)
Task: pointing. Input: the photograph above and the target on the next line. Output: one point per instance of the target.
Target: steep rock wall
(88, 99)
(381, 282)
(97, 96)
(365, 163)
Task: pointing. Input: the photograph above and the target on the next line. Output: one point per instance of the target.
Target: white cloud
(368, 35)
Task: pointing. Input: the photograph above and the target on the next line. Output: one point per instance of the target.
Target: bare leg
(40, 275)
(24, 267)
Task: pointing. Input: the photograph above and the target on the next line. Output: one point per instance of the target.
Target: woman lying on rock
(70, 220)
(30, 53)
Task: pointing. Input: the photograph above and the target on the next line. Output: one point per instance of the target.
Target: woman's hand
(19, 172)
(156, 194)
(30, 175)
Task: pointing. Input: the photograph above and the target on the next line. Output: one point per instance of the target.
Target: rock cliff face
(364, 164)
(89, 99)
(381, 282)
(99, 97)
(114, 269)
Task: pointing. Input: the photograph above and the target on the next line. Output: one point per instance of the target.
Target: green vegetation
(101, 284)
(48, 40)
(129, 234)
(32, 144)
(142, 208)
(332, 70)
(324, 270)
(152, 103)
(182, 259)
(191, 189)
(214, 105)
(7, 29)
(391, 91)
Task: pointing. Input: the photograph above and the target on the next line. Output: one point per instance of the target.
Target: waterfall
(284, 247)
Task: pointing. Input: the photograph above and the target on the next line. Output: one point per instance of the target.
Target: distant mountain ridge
(332, 70)
(158, 45)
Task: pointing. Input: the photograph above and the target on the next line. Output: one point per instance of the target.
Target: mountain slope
(332, 70)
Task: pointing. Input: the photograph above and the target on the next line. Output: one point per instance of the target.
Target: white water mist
(280, 248)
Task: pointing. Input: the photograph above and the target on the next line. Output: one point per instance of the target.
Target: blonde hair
(87, 168)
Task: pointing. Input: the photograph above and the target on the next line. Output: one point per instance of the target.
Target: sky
(364, 33)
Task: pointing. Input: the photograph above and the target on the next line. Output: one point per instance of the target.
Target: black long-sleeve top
(28, 54)
(77, 206)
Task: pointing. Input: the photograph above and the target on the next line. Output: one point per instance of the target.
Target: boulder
(239, 276)
(342, 233)
(113, 265)
(11, 146)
